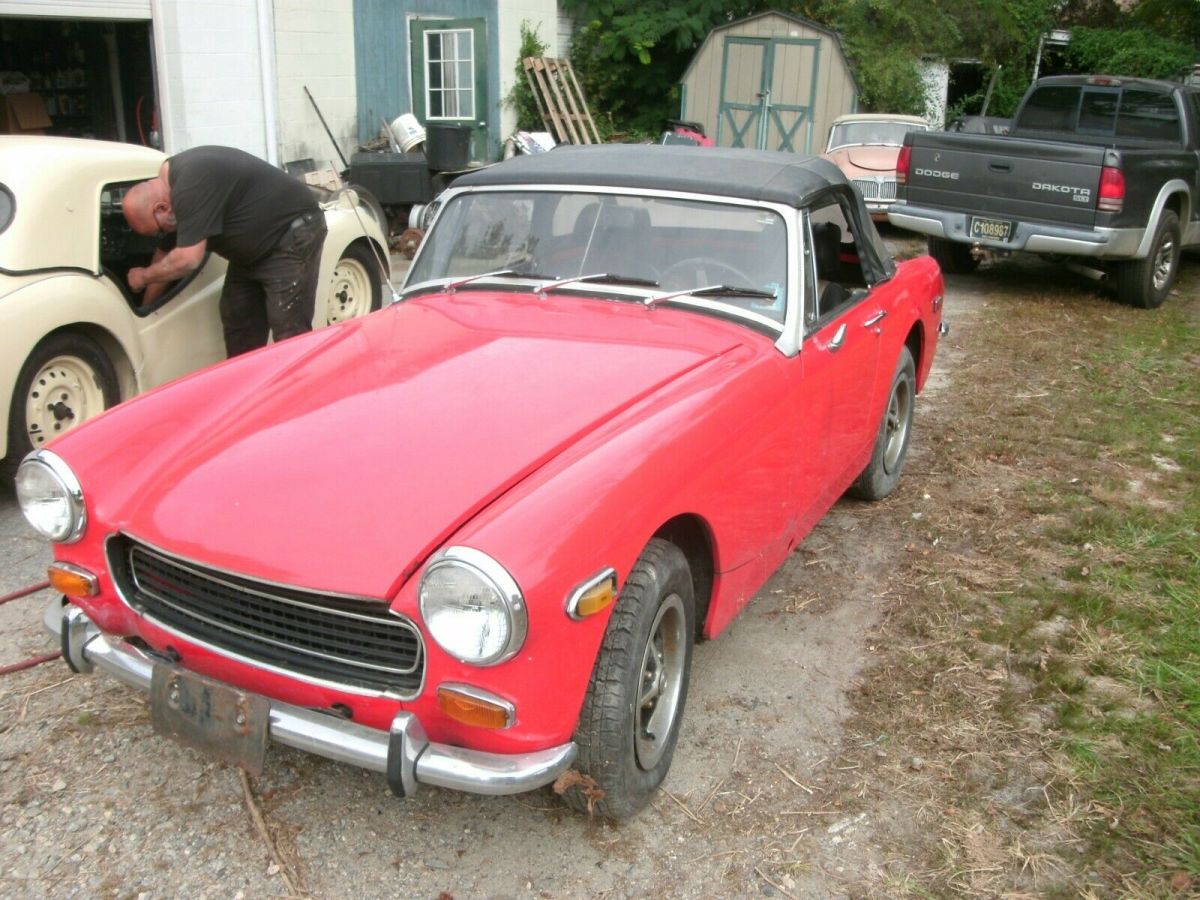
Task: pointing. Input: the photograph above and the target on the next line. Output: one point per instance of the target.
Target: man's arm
(171, 267)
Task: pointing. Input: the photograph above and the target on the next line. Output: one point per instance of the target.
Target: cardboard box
(23, 114)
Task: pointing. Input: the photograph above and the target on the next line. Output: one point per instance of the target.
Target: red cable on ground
(29, 663)
(24, 592)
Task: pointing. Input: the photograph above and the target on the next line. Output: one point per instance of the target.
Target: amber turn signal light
(472, 706)
(594, 595)
(72, 581)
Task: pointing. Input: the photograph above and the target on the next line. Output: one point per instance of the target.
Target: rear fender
(1173, 194)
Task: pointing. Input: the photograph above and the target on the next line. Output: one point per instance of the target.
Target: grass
(1063, 699)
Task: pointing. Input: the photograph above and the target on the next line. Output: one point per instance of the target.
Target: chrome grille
(345, 640)
(873, 189)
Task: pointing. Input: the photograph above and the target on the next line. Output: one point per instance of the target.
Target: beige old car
(73, 338)
(865, 146)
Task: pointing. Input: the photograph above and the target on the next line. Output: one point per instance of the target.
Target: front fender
(33, 307)
(599, 503)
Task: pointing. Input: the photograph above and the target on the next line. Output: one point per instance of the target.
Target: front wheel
(66, 380)
(357, 287)
(1146, 282)
(953, 257)
(882, 473)
(631, 714)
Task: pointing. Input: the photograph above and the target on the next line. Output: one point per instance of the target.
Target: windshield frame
(831, 147)
(787, 335)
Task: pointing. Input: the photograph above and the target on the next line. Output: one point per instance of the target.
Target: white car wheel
(66, 381)
(356, 289)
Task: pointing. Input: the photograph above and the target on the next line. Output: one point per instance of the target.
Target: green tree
(521, 98)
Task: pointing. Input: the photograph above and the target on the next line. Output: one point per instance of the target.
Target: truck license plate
(990, 229)
(214, 718)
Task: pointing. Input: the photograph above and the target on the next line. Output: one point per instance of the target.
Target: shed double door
(768, 93)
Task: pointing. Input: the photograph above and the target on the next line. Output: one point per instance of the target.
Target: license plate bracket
(218, 720)
(983, 228)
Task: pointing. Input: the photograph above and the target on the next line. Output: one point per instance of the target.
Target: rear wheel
(66, 380)
(631, 714)
(357, 287)
(882, 473)
(1146, 282)
(953, 257)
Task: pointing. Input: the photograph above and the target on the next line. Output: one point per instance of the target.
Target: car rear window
(8, 206)
(1132, 112)
(1148, 114)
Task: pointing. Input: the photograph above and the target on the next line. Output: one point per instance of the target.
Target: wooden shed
(772, 81)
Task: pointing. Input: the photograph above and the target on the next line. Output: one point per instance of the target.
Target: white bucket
(408, 131)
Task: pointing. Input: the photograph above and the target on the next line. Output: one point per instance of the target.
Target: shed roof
(763, 175)
(835, 36)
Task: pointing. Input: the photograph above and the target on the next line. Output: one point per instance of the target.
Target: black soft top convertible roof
(760, 175)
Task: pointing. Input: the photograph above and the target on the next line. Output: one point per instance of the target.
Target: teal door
(768, 93)
(449, 76)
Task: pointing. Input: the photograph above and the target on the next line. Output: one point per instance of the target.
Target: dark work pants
(277, 294)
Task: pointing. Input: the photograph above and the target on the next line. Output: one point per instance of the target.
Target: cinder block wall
(314, 46)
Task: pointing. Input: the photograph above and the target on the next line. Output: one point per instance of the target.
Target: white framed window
(449, 74)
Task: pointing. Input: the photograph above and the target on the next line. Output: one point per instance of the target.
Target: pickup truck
(1098, 167)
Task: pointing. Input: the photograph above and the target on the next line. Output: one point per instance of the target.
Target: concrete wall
(314, 47)
(210, 74)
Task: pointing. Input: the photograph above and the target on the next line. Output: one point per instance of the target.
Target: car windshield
(890, 134)
(649, 244)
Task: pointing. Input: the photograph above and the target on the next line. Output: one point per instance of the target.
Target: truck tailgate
(1010, 178)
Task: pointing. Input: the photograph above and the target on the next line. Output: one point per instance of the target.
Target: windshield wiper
(597, 278)
(713, 290)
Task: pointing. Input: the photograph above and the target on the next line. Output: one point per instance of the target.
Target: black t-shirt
(237, 202)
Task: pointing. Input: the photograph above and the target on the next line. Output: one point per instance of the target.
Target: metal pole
(345, 165)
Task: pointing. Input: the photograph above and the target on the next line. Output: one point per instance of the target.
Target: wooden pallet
(560, 101)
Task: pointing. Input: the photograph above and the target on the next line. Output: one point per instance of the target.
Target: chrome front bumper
(403, 754)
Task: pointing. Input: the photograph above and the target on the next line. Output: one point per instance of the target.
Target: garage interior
(95, 78)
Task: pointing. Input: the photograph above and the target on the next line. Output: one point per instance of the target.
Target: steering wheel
(701, 271)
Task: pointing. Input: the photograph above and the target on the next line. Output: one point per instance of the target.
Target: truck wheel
(1146, 282)
(882, 473)
(65, 381)
(634, 703)
(953, 257)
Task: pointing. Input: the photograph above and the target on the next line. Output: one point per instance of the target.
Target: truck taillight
(1112, 190)
(902, 163)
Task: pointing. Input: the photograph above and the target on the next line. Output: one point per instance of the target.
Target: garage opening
(89, 78)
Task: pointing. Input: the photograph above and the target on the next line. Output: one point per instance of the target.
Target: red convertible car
(622, 385)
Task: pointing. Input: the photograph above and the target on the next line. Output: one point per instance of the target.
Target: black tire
(953, 257)
(651, 631)
(356, 275)
(1147, 282)
(882, 473)
(85, 383)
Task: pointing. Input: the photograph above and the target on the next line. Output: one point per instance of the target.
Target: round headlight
(472, 607)
(50, 497)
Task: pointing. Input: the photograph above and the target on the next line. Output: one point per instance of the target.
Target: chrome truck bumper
(1033, 237)
(403, 754)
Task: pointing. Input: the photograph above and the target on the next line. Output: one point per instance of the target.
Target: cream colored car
(73, 339)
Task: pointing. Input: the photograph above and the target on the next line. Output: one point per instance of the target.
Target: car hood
(341, 459)
(866, 159)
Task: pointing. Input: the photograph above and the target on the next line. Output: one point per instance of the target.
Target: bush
(520, 98)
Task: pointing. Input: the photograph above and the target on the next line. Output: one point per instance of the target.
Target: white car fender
(65, 301)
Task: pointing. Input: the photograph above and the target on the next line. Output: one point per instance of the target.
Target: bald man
(264, 222)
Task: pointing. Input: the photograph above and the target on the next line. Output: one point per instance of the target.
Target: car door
(840, 354)
(183, 333)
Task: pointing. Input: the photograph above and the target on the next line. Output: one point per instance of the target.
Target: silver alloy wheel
(660, 683)
(1162, 263)
(351, 292)
(65, 392)
(899, 414)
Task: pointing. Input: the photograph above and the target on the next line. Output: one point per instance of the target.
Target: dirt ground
(798, 774)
